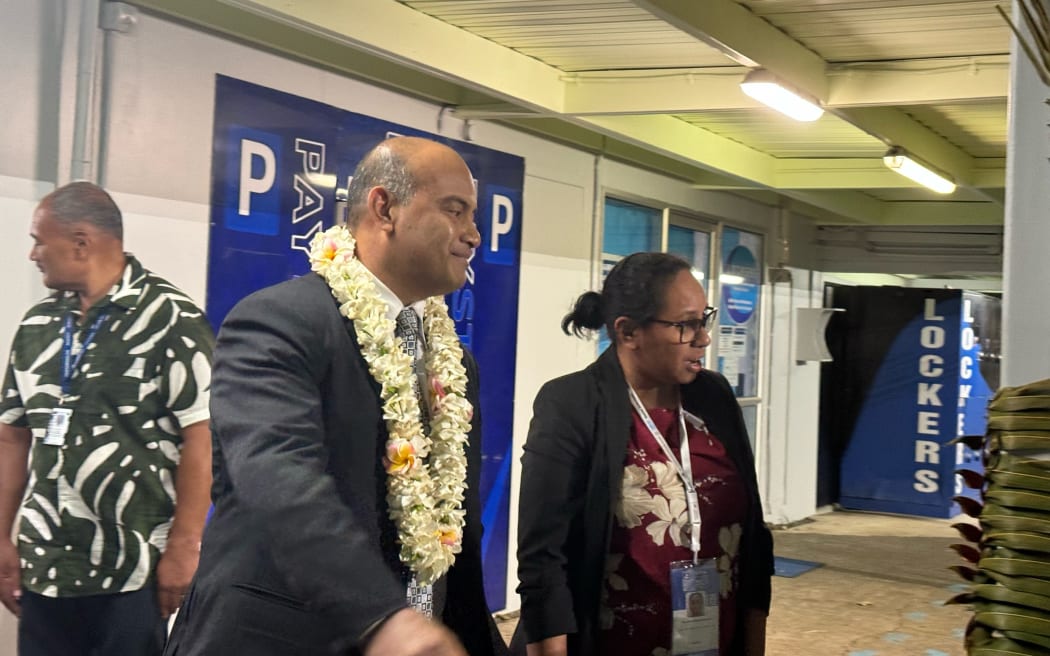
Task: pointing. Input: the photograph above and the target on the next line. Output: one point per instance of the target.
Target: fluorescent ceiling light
(764, 87)
(902, 163)
(697, 273)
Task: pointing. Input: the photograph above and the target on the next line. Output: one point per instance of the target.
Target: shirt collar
(393, 303)
(125, 292)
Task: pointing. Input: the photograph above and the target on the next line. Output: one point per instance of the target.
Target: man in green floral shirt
(105, 452)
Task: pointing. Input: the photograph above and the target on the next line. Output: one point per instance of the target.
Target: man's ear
(82, 240)
(380, 205)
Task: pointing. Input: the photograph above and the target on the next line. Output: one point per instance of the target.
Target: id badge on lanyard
(695, 588)
(695, 584)
(59, 421)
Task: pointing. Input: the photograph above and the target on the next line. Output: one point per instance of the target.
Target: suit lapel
(613, 422)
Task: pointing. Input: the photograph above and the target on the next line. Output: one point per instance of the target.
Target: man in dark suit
(301, 555)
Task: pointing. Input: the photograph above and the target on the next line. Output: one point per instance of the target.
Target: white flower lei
(426, 475)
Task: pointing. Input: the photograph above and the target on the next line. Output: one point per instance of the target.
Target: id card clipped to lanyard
(695, 584)
(58, 422)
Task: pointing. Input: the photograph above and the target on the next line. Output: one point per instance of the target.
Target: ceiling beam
(491, 78)
(843, 206)
(487, 67)
(435, 47)
(920, 81)
(680, 91)
(680, 140)
(860, 173)
(941, 213)
(747, 39)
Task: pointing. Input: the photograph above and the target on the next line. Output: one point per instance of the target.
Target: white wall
(1026, 314)
(158, 159)
(787, 449)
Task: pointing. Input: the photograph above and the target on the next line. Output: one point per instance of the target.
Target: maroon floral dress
(651, 530)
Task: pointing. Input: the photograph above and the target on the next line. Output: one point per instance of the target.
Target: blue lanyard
(69, 363)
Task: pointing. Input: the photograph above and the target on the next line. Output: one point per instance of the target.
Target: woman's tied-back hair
(635, 288)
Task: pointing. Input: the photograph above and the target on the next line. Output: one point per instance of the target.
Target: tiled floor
(880, 590)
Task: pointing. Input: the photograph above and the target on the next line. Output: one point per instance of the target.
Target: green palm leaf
(1037, 586)
(1018, 440)
(1005, 647)
(1013, 421)
(997, 517)
(1013, 498)
(1032, 638)
(1000, 593)
(1006, 617)
(1020, 403)
(1015, 566)
(1019, 464)
(1019, 480)
(1019, 540)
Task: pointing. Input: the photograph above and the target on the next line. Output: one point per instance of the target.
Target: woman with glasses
(620, 520)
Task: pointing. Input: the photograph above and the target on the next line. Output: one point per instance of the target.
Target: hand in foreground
(174, 573)
(408, 633)
(10, 577)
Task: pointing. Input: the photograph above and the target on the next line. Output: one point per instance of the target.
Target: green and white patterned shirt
(97, 510)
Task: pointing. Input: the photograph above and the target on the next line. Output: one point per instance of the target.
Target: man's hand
(10, 576)
(408, 633)
(174, 573)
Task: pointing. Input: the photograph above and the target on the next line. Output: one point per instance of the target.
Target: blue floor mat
(790, 567)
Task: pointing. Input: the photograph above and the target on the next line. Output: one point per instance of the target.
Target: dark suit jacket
(572, 473)
(291, 562)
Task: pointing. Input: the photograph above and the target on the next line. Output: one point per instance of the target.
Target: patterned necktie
(420, 597)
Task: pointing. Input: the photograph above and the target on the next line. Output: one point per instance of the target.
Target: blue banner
(898, 458)
(278, 161)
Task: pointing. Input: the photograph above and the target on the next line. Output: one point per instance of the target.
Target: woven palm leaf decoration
(1007, 554)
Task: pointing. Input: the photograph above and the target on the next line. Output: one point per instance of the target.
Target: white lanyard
(683, 467)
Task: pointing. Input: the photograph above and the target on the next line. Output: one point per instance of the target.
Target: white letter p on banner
(249, 185)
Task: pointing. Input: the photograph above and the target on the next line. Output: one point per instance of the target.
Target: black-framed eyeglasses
(689, 330)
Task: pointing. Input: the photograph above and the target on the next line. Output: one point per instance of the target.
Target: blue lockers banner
(277, 162)
(912, 383)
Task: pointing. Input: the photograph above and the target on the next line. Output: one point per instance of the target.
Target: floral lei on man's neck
(426, 475)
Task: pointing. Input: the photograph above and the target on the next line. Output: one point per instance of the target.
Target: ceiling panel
(859, 30)
(978, 128)
(577, 36)
(931, 40)
(779, 136)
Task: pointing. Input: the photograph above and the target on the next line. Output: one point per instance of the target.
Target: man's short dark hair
(381, 167)
(84, 202)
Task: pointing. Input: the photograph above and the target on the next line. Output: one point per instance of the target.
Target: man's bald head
(398, 165)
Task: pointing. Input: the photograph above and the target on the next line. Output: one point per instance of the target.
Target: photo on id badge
(694, 608)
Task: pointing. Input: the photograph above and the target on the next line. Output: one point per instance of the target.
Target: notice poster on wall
(738, 316)
(278, 164)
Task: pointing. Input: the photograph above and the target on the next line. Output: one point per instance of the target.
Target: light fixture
(764, 87)
(901, 162)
